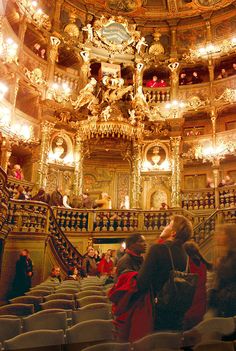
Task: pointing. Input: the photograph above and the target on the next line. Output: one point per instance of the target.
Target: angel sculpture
(132, 116)
(86, 95)
(140, 44)
(106, 113)
(89, 29)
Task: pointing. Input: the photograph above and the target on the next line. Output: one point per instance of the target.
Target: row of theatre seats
(74, 316)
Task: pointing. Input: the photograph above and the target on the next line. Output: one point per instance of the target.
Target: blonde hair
(183, 228)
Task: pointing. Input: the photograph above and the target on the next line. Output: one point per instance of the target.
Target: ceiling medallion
(124, 5)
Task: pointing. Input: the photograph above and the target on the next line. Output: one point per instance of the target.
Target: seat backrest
(36, 338)
(209, 329)
(18, 309)
(84, 314)
(35, 300)
(86, 293)
(54, 310)
(158, 340)
(50, 321)
(66, 290)
(94, 306)
(9, 328)
(109, 346)
(60, 303)
(89, 331)
(91, 299)
(43, 287)
(215, 346)
(91, 287)
(38, 292)
(56, 296)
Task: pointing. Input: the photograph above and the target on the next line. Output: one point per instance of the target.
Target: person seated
(17, 172)
(183, 79)
(222, 74)
(42, 196)
(222, 183)
(195, 78)
(55, 275)
(153, 83)
(233, 71)
(72, 274)
(162, 83)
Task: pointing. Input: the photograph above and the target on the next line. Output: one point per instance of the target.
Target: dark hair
(132, 239)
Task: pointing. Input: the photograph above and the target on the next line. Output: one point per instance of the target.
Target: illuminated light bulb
(233, 41)
(34, 3)
(55, 86)
(202, 50)
(25, 131)
(168, 105)
(175, 103)
(3, 90)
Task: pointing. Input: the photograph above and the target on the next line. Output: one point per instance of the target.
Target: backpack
(178, 291)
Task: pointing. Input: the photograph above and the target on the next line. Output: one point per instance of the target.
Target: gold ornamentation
(195, 102)
(35, 76)
(86, 96)
(229, 95)
(29, 9)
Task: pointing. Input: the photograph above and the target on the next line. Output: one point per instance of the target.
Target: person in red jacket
(106, 265)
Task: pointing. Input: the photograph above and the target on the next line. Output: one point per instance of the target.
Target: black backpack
(178, 291)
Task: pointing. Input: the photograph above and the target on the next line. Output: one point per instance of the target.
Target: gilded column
(78, 171)
(176, 171)
(173, 49)
(138, 76)
(46, 130)
(136, 175)
(85, 68)
(5, 153)
(52, 57)
(174, 79)
(13, 93)
(21, 36)
(216, 162)
(57, 15)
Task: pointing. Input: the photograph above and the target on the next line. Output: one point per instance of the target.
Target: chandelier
(212, 153)
(171, 110)
(20, 132)
(8, 48)
(59, 92)
(33, 13)
(211, 50)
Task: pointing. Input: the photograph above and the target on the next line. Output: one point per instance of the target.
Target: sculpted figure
(86, 95)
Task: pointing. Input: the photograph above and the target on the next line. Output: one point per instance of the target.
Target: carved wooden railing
(209, 198)
(157, 95)
(37, 217)
(4, 199)
(205, 230)
(122, 221)
(13, 183)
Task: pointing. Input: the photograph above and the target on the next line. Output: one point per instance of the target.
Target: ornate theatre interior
(134, 98)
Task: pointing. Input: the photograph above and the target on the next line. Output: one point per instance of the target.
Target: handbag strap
(172, 262)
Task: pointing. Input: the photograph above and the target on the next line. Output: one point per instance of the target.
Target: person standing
(56, 198)
(89, 265)
(23, 275)
(157, 266)
(132, 259)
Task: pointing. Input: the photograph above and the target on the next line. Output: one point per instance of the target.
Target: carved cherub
(86, 95)
(132, 116)
(89, 29)
(140, 43)
(106, 113)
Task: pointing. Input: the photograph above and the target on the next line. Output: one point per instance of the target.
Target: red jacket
(105, 267)
(132, 310)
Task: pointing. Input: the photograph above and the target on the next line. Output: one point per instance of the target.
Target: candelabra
(59, 92)
(33, 13)
(8, 48)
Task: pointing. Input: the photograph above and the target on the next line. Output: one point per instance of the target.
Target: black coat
(155, 272)
(129, 262)
(22, 280)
